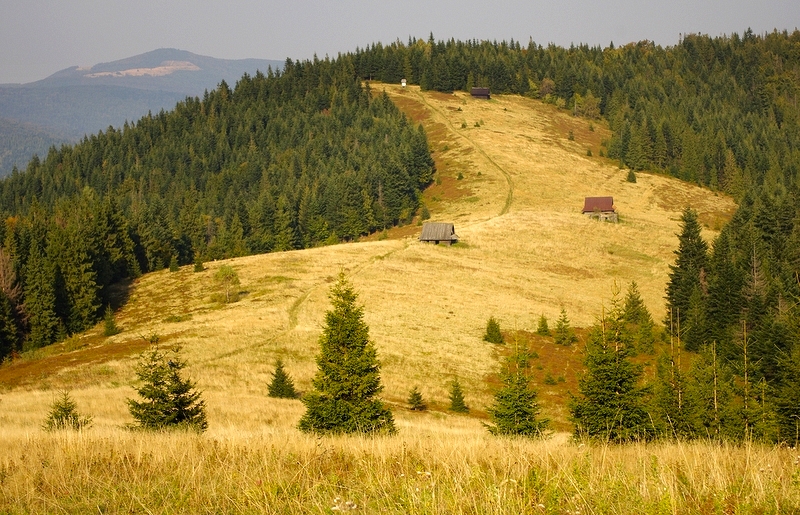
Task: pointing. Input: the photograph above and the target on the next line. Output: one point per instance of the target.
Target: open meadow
(512, 180)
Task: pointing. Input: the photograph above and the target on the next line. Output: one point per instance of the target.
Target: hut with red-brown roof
(600, 208)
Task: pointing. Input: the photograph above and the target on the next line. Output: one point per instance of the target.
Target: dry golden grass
(526, 250)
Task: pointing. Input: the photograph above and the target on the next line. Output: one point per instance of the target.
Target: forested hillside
(280, 162)
(19, 141)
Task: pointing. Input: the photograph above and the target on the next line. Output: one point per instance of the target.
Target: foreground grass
(453, 468)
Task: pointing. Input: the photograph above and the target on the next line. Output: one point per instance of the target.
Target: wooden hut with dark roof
(600, 208)
(480, 93)
(436, 232)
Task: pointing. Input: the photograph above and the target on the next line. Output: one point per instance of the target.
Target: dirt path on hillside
(510, 194)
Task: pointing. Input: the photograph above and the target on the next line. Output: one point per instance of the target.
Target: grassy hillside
(525, 250)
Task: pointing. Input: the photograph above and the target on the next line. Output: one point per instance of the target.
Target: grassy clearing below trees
(447, 467)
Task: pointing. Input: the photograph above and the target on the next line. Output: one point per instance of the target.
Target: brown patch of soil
(27, 371)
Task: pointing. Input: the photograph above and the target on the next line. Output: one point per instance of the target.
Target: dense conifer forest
(309, 156)
(282, 161)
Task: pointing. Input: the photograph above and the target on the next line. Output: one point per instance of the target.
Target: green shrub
(64, 415)
(493, 334)
(542, 328)
(415, 401)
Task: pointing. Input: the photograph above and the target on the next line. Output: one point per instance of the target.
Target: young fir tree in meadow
(110, 327)
(515, 410)
(168, 400)
(542, 327)
(457, 403)
(685, 288)
(281, 386)
(610, 405)
(415, 400)
(347, 382)
(564, 335)
(64, 414)
(493, 334)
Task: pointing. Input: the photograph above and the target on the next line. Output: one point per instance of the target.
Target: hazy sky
(40, 37)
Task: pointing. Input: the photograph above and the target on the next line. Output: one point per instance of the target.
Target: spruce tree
(282, 386)
(638, 322)
(64, 414)
(457, 403)
(686, 276)
(493, 334)
(168, 399)
(515, 410)
(610, 405)
(674, 411)
(347, 382)
(711, 389)
(40, 300)
(110, 327)
(564, 335)
(542, 328)
(415, 400)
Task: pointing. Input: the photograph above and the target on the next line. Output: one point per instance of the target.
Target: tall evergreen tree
(638, 321)
(347, 383)
(40, 300)
(687, 279)
(610, 405)
(711, 388)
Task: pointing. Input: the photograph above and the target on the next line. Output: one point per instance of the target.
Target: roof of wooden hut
(438, 231)
(602, 204)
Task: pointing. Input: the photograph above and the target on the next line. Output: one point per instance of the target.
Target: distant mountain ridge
(204, 72)
(77, 101)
